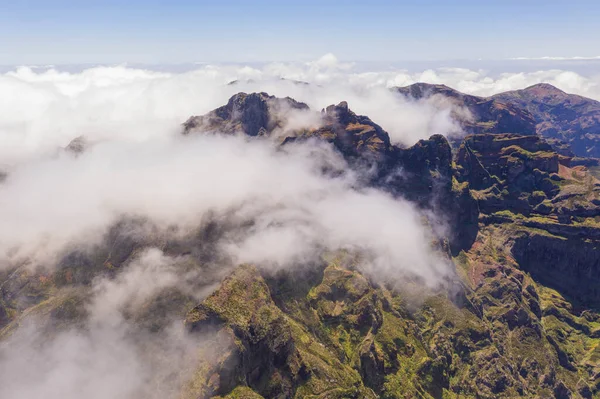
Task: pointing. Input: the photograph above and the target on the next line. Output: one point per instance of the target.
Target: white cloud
(139, 165)
(108, 356)
(48, 204)
(44, 109)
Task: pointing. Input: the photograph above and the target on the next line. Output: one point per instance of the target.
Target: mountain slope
(569, 121)
(524, 321)
(568, 117)
(484, 115)
(518, 314)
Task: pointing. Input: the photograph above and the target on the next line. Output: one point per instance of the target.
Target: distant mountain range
(570, 122)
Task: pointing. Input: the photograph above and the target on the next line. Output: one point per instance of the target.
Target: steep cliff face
(507, 169)
(521, 181)
(421, 173)
(353, 135)
(564, 262)
(424, 174)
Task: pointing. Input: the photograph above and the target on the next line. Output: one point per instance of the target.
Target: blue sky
(178, 31)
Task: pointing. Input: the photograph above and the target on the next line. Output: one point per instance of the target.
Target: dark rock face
(570, 265)
(426, 177)
(357, 137)
(426, 169)
(573, 119)
(508, 170)
(254, 114)
(463, 214)
(421, 173)
(487, 115)
(372, 366)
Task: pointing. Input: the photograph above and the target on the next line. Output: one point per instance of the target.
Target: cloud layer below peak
(45, 108)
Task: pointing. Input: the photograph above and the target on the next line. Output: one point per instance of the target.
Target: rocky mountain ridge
(484, 115)
(570, 122)
(519, 317)
(531, 272)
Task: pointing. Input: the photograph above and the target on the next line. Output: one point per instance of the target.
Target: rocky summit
(255, 114)
(518, 316)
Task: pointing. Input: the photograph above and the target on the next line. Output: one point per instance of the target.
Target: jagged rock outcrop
(425, 169)
(353, 135)
(255, 114)
(259, 114)
(421, 173)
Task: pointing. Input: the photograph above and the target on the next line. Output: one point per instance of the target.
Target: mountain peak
(543, 86)
(255, 114)
(570, 118)
(421, 89)
(341, 113)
